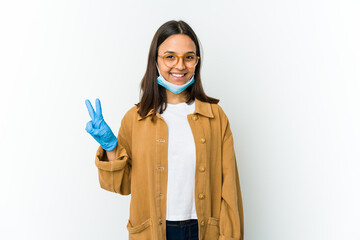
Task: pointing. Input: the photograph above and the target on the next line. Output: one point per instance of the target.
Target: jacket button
(201, 196)
(195, 118)
(202, 169)
(202, 223)
(202, 140)
(160, 222)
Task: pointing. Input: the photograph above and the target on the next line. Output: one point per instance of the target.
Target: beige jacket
(140, 169)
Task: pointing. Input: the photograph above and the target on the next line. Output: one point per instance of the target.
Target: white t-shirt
(180, 203)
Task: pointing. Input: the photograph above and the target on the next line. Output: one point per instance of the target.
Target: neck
(173, 98)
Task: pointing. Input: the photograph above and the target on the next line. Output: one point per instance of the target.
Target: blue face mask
(173, 87)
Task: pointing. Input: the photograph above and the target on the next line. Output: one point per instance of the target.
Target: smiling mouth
(178, 75)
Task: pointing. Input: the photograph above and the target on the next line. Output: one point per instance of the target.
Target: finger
(96, 132)
(89, 127)
(90, 109)
(98, 107)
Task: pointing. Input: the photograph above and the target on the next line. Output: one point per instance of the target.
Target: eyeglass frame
(178, 59)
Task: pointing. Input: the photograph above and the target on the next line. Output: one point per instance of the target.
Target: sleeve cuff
(103, 163)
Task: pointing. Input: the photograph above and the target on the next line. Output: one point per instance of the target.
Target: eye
(190, 57)
(170, 57)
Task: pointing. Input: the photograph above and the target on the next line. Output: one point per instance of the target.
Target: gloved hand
(98, 128)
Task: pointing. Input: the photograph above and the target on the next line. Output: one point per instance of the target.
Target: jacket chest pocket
(212, 229)
(143, 231)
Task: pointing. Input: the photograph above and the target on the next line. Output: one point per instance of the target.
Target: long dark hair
(152, 94)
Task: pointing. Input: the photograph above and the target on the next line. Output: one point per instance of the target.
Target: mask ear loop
(158, 69)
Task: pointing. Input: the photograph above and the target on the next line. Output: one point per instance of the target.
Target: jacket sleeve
(115, 176)
(231, 221)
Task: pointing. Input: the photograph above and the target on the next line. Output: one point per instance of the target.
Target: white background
(286, 72)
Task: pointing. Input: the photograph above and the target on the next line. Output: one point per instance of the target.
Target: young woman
(178, 162)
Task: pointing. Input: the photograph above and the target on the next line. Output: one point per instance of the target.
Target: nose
(180, 65)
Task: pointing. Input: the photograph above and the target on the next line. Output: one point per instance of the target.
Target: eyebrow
(174, 52)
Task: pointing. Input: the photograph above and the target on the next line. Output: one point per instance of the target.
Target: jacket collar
(203, 108)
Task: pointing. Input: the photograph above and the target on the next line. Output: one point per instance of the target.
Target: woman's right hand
(98, 128)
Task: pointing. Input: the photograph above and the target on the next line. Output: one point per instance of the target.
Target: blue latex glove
(98, 128)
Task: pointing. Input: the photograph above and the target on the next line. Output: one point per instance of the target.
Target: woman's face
(179, 44)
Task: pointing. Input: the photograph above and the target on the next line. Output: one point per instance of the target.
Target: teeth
(178, 75)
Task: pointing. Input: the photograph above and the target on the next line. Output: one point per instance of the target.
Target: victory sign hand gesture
(98, 128)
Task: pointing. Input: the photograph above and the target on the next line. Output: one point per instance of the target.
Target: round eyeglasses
(170, 60)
